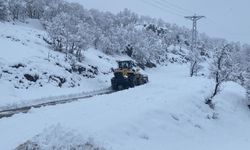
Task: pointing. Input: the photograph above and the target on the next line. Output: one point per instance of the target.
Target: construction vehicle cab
(126, 64)
(126, 76)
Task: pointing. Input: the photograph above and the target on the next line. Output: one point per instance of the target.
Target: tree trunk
(193, 64)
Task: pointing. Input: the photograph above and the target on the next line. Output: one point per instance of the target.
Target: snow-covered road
(167, 113)
(24, 108)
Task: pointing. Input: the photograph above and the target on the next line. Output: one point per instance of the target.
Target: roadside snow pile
(59, 138)
(167, 113)
(29, 69)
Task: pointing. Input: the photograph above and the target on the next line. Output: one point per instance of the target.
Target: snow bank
(59, 138)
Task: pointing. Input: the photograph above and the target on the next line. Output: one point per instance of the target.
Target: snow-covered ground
(24, 52)
(167, 113)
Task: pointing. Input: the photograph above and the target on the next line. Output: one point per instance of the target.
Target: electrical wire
(166, 6)
(177, 6)
(152, 3)
(177, 10)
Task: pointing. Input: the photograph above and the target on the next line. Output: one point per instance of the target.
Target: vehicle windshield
(125, 64)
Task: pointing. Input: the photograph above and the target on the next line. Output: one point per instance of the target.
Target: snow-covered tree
(114, 42)
(3, 10)
(69, 34)
(52, 9)
(195, 66)
(84, 39)
(221, 68)
(126, 17)
(195, 61)
(146, 46)
(17, 9)
(247, 84)
(35, 8)
(244, 65)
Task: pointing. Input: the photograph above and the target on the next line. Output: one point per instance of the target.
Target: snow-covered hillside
(38, 66)
(29, 69)
(218, 22)
(31, 72)
(167, 113)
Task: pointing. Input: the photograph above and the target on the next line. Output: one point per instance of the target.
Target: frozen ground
(167, 113)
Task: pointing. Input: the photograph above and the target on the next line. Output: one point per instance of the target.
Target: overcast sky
(228, 19)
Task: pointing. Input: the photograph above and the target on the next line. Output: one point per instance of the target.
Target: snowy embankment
(167, 113)
(30, 71)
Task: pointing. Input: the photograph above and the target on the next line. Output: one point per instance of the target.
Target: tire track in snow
(53, 101)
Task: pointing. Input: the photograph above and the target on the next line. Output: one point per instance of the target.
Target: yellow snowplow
(126, 76)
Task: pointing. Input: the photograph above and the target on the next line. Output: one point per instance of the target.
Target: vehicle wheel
(145, 80)
(131, 83)
(137, 81)
(131, 80)
(114, 84)
(114, 87)
(120, 87)
(141, 81)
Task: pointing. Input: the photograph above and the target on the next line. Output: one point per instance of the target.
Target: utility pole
(194, 56)
(194, 29)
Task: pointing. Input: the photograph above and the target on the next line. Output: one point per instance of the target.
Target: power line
(174, 9)
(177, 6)
(162, 8)
(162, 3)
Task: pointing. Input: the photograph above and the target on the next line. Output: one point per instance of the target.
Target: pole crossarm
(194, 19)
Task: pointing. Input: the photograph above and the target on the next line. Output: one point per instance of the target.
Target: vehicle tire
(114, 84)
(114, 87)
(120, 87)
(145, 80)
(140, 80)
(131, 82)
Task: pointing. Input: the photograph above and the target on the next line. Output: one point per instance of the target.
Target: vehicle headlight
(125, 76)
